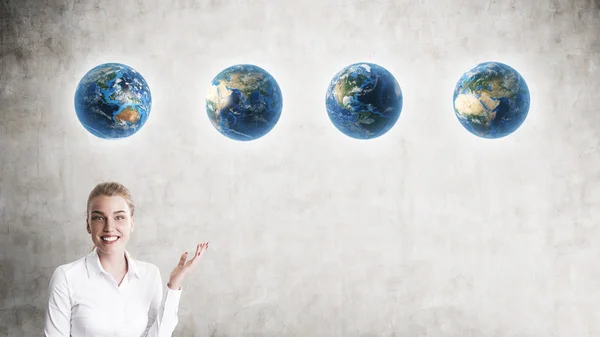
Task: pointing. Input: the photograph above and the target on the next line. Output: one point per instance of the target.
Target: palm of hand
(183, 267)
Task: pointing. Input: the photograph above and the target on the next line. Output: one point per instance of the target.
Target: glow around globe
(244, 102)
(491, 100)
(113, 101)
(364, 101)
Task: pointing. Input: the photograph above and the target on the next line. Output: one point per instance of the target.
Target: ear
(132, 223)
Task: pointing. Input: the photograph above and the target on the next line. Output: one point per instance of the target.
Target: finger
(203, 248)
(189, 263)
(199, 252)
(183, 258)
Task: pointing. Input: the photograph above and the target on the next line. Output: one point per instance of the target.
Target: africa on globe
(363, 101)
(491, 100)
(112, 101)
(244, 102)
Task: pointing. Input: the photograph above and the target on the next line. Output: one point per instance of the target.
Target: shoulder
(70, 268)
(68, 271)
(146, 268)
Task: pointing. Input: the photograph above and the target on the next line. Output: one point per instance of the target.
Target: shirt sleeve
(162, 316)
(58, 312)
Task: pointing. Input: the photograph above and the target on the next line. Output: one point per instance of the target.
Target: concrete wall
(425, 231)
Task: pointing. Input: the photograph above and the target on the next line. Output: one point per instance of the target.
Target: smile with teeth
(110, 238)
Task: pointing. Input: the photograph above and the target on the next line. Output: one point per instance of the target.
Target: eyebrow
(115, 212)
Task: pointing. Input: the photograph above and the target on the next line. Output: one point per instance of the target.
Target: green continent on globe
(218, 95)
(348, 85)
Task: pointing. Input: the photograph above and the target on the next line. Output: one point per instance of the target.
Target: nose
(109, 225)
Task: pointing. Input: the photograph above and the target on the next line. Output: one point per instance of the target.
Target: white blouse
(85, 301)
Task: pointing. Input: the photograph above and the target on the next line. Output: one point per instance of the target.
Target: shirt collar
(94, 267)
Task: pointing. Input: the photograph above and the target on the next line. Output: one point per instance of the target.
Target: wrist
(174, 286)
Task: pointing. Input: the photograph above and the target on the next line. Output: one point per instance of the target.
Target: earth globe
(112, 101)
(244, 102)
(363, 101)
(491, 100)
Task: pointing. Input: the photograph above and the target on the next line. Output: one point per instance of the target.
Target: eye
(120, 217)
(97, 217)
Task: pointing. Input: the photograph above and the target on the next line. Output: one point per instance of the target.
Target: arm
(58, 312)
(162, 320)
(162, 317)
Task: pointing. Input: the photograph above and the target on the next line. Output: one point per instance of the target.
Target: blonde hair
(111, 189)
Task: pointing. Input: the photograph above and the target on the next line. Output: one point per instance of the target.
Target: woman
(107, 292)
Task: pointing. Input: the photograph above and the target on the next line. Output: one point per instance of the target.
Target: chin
(109, 248)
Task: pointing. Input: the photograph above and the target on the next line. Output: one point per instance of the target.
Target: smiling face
(110, 223)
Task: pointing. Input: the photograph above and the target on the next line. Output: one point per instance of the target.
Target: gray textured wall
(426, 231)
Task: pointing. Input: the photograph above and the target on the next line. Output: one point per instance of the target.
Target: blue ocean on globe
(491, 100)
(244, 102)
(112, 101)
(364, 101)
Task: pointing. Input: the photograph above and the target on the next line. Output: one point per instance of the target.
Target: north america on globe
(244, 102)
(113, 101)
(364, 101)
(491, 100)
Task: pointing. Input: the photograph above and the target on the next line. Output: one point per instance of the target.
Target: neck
(113, 263)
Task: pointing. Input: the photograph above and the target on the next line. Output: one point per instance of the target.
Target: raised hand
(183, 267)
